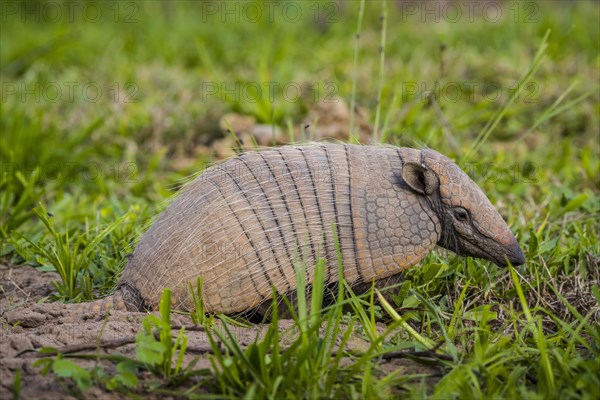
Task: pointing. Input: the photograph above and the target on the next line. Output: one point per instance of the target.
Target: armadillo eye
(461, 214)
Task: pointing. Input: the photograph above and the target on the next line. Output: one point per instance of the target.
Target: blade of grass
(427, 343)
(458, 307)
(493, 122)
(384, 18)
(352, 134)
(537, 331)
(555, 110)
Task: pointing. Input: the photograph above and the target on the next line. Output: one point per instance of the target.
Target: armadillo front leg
(125, 298)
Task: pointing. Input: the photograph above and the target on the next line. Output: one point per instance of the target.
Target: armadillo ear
(419, 178)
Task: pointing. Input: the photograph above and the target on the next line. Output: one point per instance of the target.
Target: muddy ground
(28, 325)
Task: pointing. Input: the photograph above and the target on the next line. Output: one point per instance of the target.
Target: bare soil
(27, 325)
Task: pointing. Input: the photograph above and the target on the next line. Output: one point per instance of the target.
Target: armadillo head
(471, 226)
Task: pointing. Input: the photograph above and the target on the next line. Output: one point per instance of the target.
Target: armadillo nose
(515, 254)
(518, 257)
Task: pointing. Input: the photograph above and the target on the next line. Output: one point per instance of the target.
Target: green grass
(103, 167)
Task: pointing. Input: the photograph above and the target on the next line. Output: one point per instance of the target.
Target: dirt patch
(28, 325)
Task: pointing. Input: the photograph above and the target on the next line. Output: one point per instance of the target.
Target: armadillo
(244, 224)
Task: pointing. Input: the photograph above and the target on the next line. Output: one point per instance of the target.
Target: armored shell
(244, 224)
